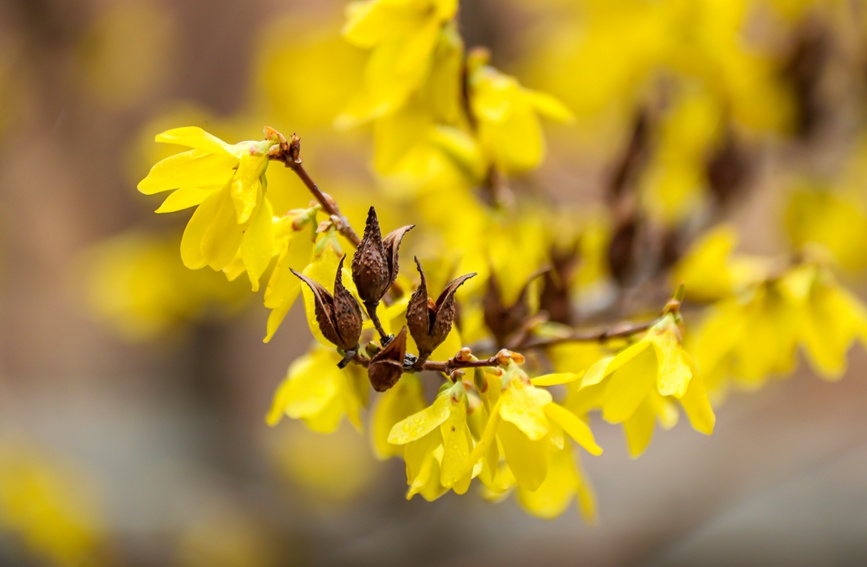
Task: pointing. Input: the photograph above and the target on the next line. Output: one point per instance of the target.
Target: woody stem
(371, 311)
(592, 336)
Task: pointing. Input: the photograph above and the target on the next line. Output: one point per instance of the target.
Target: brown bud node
(338, 315)
(430, 321)
(386, 366)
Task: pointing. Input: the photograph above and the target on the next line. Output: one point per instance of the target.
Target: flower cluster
(519, 374)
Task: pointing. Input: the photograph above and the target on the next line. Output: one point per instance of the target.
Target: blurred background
(133, 391)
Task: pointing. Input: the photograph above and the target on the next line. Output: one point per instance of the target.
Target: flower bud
(386, 366)
(430, 322)
(374, 266)
(338, 315)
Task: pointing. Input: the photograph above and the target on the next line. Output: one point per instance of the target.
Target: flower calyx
(431, 321)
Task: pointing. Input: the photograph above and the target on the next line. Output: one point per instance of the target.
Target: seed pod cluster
(431, 321)
(375, 264)
(503, 320)
(338, 315)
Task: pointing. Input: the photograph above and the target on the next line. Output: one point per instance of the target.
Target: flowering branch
(289, 152)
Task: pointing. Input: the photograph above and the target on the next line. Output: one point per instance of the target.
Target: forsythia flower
(506, 112)
(710, 271)
(293, 242)
(319, 393)
(403, 35)
(746, 339)
(636, 386)
(226, 184)
(526, 422)
(437, 444)
(404, 399)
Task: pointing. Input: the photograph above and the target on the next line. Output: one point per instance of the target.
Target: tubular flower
(639, 385)
(506, 112)
(526, 422)
(319, 393)
(226, 184)
(437, 445)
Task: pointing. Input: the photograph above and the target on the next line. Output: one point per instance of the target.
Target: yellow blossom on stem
(320, 394)
(525, 421)
(638, 385)
(507, 116)
(226, 184)
(396, 404)
(439, 427)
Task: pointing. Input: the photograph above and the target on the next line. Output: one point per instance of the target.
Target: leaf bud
(431, 321)
(386, 366)
(338, 315)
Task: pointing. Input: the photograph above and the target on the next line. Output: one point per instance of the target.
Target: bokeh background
(133, 392)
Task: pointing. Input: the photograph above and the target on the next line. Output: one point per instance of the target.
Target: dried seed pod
(338, 315)
(503, 320)
(430, 321)
(554, 298)
(386, 366)
(374, 266)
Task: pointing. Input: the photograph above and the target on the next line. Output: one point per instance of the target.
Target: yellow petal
(223, 235)
(557, 378)
(247, 186)
(697, 407)
(549, 106)
(405, 399)
(674, 373)
(185, 198)
(629, 386)
(283, 287)
(455, 471)
(554, 495)
(194, 233)
(420, 424)
(257, 246)
(192, 168)
(522, 405)
(528, 459)
(639, 428)
(574, 426)
(196, 138)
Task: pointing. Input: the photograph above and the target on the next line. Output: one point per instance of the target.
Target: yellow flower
(506, 112)
(403, 36)
(709, 270)
(319, 393)
(437, 444)
(404, 399)
(526, 421)
(637, 386)
(565, 481)
(226, 184)
(293, 242)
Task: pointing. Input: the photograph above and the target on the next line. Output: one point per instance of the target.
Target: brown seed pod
(386, 366)
(375, 264)
(370, 263)
(338, 315)
(430, 321)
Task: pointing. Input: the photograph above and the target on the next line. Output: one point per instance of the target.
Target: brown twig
(601, 336)
(290, 154)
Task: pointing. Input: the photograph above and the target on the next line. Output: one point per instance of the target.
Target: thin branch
(600, 336)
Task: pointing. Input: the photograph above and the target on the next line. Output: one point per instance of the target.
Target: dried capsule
(338, 315)
(374, 266)
(386, 366)
(430, 321)
(503, 320)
